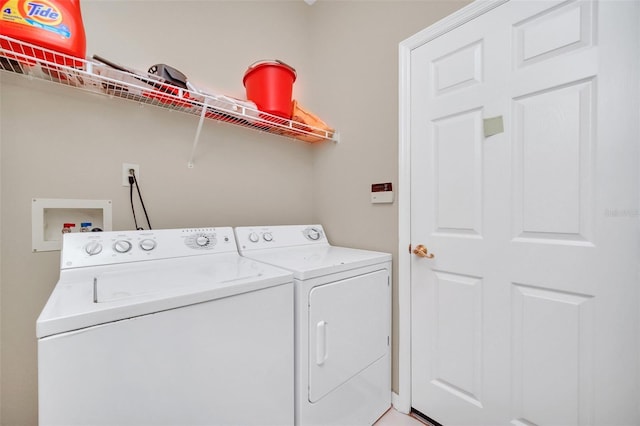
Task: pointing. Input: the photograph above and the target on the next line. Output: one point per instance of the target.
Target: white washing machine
(165, 327)
(343, 322)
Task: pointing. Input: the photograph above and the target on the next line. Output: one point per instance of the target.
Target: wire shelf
(96, 77)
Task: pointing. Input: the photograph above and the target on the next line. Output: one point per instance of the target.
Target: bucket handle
(266, 61)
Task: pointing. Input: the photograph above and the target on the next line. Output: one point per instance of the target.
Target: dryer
(343, 322)
(165, 327)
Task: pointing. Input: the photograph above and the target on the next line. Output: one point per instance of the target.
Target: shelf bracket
(203, 114)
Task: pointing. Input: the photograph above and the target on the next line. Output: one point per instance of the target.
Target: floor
(396, 418)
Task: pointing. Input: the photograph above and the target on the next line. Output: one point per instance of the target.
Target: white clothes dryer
(343, 322)
(165, 327)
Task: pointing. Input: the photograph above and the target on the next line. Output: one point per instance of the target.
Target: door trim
(403, 402)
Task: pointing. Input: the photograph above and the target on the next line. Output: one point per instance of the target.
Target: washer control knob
(202, 241)
(148, 244)
(253, 237)
(122, 246)
(267, 236)
(93, 248)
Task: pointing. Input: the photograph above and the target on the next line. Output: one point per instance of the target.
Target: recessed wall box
(48, 217)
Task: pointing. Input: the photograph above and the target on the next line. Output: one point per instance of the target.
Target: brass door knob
(421, 251)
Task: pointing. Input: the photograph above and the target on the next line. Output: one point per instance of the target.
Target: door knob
(421, 251)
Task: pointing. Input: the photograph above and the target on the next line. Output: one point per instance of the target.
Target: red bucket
(270, 85)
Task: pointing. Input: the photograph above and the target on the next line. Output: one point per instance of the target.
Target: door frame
(402, 400)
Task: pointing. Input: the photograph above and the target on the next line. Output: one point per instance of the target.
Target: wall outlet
(125, 173)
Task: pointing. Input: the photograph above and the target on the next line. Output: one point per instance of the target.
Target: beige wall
(61, 143)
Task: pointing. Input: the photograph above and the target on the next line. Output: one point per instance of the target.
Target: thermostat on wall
(382, 193)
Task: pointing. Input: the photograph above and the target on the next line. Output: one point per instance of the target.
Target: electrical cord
(134, 181)
(135, 221)
(141, 202)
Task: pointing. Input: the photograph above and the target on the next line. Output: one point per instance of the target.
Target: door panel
(458, 173)
(458, 308)
(504, 324)
(553, 32)
(543, 319)
(459, 69)
(552, 147)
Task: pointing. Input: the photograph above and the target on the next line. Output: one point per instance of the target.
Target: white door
(524, 185)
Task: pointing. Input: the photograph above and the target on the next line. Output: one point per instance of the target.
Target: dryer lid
(308, 262)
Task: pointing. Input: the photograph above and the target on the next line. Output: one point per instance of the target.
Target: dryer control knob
(267, 236)
(93, 248)
(253, 237)
(148, 244)
(122, 246)
(202, 241)
(313, 234)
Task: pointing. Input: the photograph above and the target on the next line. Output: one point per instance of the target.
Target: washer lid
(90, 296)
(308, 262)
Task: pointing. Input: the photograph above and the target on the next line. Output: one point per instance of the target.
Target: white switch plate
(125, 173)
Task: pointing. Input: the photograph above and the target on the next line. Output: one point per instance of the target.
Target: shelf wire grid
(93, 76)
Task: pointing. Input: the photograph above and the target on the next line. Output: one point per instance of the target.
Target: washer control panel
(264, 237)
(104, 248)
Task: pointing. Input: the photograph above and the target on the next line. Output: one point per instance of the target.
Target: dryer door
(349, 329)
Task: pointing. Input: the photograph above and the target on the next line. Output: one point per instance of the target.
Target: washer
(343, 322)
(165, 327)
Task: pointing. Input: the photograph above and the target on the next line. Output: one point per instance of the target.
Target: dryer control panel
(266, 237)
(105, 248)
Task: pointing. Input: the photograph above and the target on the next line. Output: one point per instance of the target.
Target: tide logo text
(44, 12)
